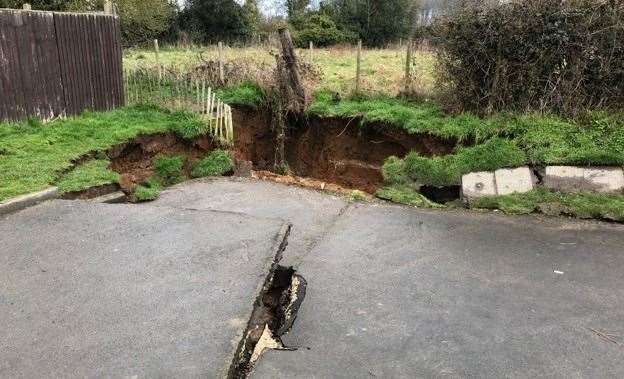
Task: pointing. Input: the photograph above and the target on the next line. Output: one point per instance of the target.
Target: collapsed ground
(390, 147)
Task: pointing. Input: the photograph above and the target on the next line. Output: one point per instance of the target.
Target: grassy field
(382, 70)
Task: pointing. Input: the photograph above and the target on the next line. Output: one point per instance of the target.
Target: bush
(168, 170)
(321, 30)
(218, 162)
(548, 54)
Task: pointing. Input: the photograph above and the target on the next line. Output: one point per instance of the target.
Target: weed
(356, 196)
(91, 174)
(218, 162)
(168, 170)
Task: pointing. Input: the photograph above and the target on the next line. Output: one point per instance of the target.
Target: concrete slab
(402, 293)
(311, 212)
(120, 291)
(514, 180)
(478, 184)
(605, 179)
(565, 178)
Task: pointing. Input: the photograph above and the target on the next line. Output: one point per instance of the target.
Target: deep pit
(334, 150)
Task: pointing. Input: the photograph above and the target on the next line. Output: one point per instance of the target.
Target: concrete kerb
(25, 201)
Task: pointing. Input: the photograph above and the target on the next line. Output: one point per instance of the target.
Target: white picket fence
(185, 93)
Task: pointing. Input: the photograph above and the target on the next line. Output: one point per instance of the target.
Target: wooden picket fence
(174, 90)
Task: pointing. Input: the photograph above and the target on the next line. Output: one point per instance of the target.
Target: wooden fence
(57, 64)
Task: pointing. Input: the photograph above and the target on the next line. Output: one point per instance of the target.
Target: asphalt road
(120, 291)
(165, 289)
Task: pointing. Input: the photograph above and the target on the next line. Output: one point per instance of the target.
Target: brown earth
(334, 150)
(134, 160)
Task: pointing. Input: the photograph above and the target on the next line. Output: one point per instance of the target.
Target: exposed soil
(134, 160)
(336, 151)
(92, 192)
(335, 155)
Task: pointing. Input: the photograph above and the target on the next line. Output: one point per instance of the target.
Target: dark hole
(441, 194)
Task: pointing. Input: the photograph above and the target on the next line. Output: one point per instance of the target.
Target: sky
(267, 7)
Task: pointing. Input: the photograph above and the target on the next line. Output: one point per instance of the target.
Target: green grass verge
(217, 163)
(404, 194)
(414, 117)
(168, 170)
(91, 174)
(581, 205)
(594, 138)
(448, 170)
(148, 191)
(246, 94)
(33, 154)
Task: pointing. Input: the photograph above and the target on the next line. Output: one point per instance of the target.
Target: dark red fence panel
(57, 64)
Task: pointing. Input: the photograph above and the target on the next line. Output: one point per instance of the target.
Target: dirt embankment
(134, 160)
(334, 150)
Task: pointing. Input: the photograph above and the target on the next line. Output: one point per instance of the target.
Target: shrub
(168, 170)
(321, 30)
(218, 162)
(546, 54)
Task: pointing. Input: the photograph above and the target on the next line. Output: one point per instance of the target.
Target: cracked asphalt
(165, 289)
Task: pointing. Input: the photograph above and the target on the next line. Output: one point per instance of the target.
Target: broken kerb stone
(478, 184)
(605, 179)
(565, 178)
(514, 180)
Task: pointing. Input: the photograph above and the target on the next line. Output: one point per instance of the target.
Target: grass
(423, 117)
(32, 154)
(168, 170)
(382, 69)
(217, 163)
(148, 191)
(245, 94)
(580, 205)
(91, 174)
(448, 170)
(404, 194)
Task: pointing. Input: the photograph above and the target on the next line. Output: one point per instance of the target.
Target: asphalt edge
(26, 201)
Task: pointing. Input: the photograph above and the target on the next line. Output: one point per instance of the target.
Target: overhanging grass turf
(32, 154)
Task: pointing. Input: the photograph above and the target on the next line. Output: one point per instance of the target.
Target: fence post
(157, 51)
(359, 67)
(311, 51)
(408, 67)
(27, 7)
(221, 74)
(108, 7)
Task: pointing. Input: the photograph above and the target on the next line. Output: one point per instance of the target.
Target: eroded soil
(338, 151)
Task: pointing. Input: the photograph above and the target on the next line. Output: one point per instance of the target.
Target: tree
(144, 20)
(251, 14)
(211, 20)
(141, 20)
(296, 8)
(320, 29)
(376, 21)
